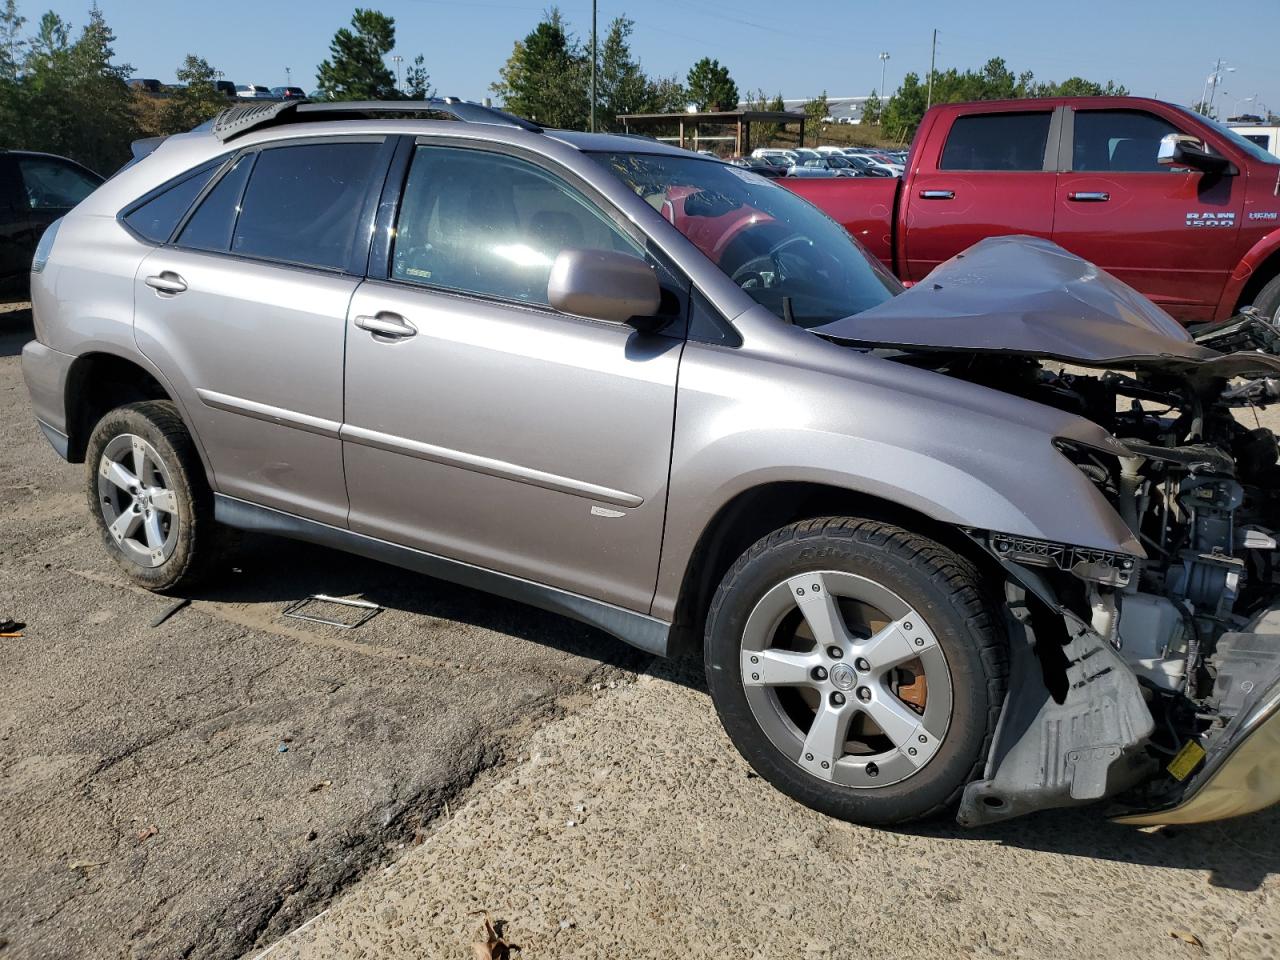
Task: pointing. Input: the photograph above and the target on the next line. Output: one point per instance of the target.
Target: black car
(35, 190)
(760, 166)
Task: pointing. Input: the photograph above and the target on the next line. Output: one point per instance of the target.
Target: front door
(483, 426)
(245, 314)
(1168, 232)
(993, 176)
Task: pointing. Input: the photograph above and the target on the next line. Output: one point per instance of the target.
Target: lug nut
(835, 653)
(819, 673)
(837, 699)
(864, 694)
(862, 665)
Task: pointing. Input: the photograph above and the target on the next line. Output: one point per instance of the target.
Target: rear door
(485, 426)
(244, 312)
(16, 245)
(1168, 232)
(988, 174)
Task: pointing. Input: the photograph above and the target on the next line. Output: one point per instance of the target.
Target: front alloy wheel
(846, 679)
(857, 667)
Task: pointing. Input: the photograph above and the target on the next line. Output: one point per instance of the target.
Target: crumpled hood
(1023, 295)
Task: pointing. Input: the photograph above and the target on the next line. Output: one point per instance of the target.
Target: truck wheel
(857, 668)
(1268, 298)
(148, 494)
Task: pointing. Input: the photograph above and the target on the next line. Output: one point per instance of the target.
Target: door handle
(937, 194)
(387, 324)
(167, 282)
(1089, 196)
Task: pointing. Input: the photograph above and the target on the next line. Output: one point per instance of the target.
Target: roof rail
(240, 119)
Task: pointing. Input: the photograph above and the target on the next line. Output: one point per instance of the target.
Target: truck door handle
(937, 194)
(167, 282)
(384, 323)
(1089, 196)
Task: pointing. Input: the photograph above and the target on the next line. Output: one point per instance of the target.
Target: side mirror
(1182, 150)
(604, 285)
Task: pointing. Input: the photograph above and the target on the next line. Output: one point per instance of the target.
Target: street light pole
(884, 57)
(933, 59)
(593, 66)
(397, 60)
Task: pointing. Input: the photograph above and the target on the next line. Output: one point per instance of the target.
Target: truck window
(1125, 141)
(997, 141)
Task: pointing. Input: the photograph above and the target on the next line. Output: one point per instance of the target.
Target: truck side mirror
(1183, 150)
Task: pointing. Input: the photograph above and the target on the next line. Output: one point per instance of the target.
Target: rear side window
(156, 219)
(1119, 141)
(303, 203)
(997, 141)
(210, 226)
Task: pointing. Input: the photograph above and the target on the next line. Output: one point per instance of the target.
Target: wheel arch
(98, 382)
(759, 510)
(1257, 267)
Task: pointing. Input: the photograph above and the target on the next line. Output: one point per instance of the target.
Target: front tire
(149, 497)
(858, 668)
(1267, 301)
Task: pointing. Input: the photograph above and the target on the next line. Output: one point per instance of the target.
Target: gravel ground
(201, 788)
(204, 786)
(631, 829)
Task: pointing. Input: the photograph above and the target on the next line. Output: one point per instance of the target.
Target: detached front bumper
(1241, 772)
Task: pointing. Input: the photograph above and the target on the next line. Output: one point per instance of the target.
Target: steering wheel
(755, 268)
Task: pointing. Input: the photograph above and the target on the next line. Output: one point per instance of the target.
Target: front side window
(1119, 141)
(784, 252)
(53, 184)
(492, 225)
(997, 141)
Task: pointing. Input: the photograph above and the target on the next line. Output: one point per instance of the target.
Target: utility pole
(884, 57)
(593, 66)
(397, 60)
(933, 58)
(288, 77)
(1213, 90)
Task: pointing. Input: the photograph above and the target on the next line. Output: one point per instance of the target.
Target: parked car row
(828, 162)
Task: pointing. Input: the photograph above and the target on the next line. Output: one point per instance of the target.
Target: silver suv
(665, 396)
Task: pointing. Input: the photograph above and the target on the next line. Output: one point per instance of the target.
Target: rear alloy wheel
(148, 493)
(857, 668)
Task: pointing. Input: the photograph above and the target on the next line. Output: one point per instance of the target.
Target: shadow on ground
(15, 327)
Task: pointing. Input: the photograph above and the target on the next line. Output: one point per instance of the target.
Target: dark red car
(1197, 231)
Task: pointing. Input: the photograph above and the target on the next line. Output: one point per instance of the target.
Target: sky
(1164, 48)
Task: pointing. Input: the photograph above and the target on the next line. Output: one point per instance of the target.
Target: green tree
(621, 85)
(815, 110)
(11, 42)
(872, 109)
(710, 87)
(196, 100)
(544, 79)
(356, 69)
(417, 84)
(905, 108)
(60, 78)
(665, 95)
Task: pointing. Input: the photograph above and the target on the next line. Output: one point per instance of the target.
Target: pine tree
(356, 69)
(196, 101)
(545, 78)
(417, 84)
(710, 87)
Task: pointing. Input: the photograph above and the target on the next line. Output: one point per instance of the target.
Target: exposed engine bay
(1194, 476)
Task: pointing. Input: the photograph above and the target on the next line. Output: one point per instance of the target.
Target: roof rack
(238, 120)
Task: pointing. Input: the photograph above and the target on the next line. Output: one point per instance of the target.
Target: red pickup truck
(1197, 230)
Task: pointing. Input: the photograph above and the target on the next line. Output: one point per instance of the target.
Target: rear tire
(149, 497)
(893, 727)
(1267, 300)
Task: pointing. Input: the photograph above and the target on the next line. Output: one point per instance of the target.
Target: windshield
(785, 253)
(1256, 151)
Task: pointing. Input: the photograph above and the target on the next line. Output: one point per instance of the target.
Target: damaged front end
(1149, 677)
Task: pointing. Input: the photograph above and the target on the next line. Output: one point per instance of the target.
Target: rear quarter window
(997, 141)
(156, 219)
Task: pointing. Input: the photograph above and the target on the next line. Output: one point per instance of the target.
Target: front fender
(958, 453)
